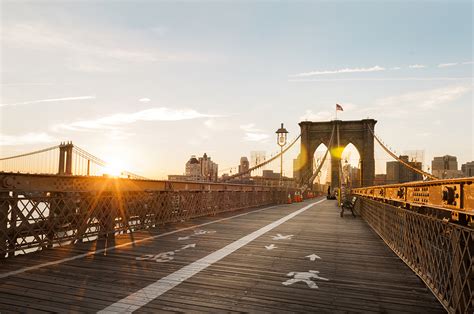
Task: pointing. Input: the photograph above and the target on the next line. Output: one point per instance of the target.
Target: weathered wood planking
(364, 275)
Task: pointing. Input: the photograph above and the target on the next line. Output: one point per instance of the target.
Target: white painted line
(63, 260)
(143, 296)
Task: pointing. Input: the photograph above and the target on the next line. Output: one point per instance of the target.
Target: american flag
(339, 107)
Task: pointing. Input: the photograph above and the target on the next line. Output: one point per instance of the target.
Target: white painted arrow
(187, 246)
(270, 247)
(183, 238)
(282, 237)
(313, 257)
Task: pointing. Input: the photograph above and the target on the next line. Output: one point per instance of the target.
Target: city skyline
(128, 82)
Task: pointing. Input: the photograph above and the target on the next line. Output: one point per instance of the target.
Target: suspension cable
(31, 153)
(426, 174)
(263, 163)
(315, 174)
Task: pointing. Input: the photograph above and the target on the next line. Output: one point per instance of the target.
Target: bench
(348, 204)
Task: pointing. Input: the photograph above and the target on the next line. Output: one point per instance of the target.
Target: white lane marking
(282, 237)
(67, 259)
(313, 257)
(143, 296)
(271, 246)
(196, 233)
(305, 277)
(164, 257)
(187, 246)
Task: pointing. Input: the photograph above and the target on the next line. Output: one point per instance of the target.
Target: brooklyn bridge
(74, 239)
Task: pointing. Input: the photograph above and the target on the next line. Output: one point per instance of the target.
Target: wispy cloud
(383, 79)
(317, 116)
(417, 66)
(119, 119)
(345, 70)
(444, 65)
(26, 139)
(325, 115)
(48, 100)
(253, 134)
(144, 99)
(426, 99)
(42, 36)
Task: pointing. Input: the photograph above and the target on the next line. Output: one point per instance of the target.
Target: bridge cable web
(44, 161)
(266, 162)
(316, 172)
(48, 161)
(96, 162)
(423, 173)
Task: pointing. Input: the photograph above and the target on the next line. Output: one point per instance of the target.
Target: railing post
(4, 205)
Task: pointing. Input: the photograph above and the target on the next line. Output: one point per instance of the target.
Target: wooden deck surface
(363, 274)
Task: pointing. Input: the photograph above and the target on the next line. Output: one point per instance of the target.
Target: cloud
(376, 79)
(253, 134)
(468, 62)
(444, 65)
(417, 66)
(41, 36)
(346, 70)
(26, 139)
(317, 116)
(325, 115)
(427, 99)
(144, 99)
(115, 120)
(395, 68)
(48, 100)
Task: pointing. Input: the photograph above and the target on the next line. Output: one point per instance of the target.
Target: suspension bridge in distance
(73, 238)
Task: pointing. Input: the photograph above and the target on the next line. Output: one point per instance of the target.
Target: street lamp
(281, 133)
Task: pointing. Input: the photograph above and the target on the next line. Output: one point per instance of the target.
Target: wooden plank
(364, 275)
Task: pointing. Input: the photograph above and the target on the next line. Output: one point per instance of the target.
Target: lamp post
(282, 134)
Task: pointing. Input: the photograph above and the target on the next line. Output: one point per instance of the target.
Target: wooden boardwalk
(249, 261)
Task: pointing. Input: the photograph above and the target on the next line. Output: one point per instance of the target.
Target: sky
(150, 83)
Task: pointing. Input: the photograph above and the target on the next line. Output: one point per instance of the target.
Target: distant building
(380, 179)
(269, 174)
(445, 167)
(202, 169)
(399, 173)
(209, 168)
(351, 175)
(415, 155)
(468, 169)
(244, 166)
(270, 178)
(256, 158)
(193, 168)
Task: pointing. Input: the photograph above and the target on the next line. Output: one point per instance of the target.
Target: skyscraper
(445, 167)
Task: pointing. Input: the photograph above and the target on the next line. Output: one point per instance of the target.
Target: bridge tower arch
(356, 132)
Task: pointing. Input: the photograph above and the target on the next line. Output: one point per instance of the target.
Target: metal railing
(440, 253)
(38, 212)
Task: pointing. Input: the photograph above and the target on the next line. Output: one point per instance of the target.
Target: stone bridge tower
(356, 132)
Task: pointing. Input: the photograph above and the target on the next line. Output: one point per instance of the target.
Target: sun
(114, 168)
